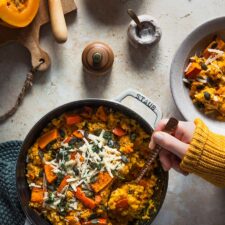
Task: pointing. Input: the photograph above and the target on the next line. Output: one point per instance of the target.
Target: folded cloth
(10, 209)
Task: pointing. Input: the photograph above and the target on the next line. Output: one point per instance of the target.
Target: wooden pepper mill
(97, 58)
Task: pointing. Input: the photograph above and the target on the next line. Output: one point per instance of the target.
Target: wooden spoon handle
(58, 22)
(170, 129)
(135, 18)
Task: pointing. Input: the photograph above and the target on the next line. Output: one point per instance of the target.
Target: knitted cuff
(191, 159)
(206, 155)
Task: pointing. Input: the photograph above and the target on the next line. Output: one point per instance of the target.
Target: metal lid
(97, 58)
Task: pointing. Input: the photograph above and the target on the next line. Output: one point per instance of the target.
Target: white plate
(194, 43)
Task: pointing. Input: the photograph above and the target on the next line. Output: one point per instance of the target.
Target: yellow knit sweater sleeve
(206, 155)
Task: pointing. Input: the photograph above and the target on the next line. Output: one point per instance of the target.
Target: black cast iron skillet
(22, 186)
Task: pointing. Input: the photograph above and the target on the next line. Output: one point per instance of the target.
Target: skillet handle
(155, 109)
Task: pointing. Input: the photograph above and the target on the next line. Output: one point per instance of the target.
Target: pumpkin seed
(203, 66)
(214, 45)
(200, 105)
(108, 135)
(207, 96)
(124, 159)
(76, 171)
(62, 133)
(200, 87)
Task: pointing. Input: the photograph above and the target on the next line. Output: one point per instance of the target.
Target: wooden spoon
(170, 129)
(135, 18)
(58, 22)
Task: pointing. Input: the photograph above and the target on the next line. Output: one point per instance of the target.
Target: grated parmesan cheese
(34, 185)
(215, 51)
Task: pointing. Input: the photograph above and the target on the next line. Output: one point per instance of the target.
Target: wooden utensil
(135, 18)
(58, 22)
(169, 128)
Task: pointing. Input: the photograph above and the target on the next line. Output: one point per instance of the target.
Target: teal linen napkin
(10, 209)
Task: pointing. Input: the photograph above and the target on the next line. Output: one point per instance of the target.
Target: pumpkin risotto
(80, 169)
(205, 77)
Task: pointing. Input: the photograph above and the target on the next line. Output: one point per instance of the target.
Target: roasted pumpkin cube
(46, 138)
(104, 179)
(101, 114)
(73, 119)
(218, 43)
(50, 176)
(37, 195)
(192, 70)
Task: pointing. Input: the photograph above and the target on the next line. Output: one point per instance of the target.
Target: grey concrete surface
(190, 200)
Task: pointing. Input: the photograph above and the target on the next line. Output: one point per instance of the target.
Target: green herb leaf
(50, 199)
(93, 216)
(115, 173)
(108, 135)
(94, 179)
(51, 187)
(95, 148)
(72, 141)
(133, 136)
(99, 166)
(60, 177)
(79, 143)
(66, 157)
(63, 166)
(62, 133)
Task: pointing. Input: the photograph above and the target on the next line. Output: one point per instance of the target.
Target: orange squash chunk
(73, 119)
(98, 199)
(45, 139)
(63, 184)
(50, 176)
(122, 203)
(119, 131)
(37, 195)
(218, 43)
(193, 69)
(101, 114)
(104, 179)
(88, 202)
(78, 134)
(87, 112)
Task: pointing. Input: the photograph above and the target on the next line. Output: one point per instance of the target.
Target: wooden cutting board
(29, 36)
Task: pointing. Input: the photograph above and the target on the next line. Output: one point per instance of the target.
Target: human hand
(174, 147)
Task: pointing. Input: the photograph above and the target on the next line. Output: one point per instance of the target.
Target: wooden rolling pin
(58, 22)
